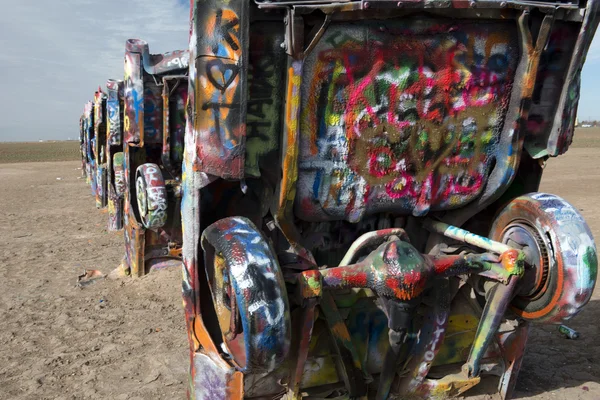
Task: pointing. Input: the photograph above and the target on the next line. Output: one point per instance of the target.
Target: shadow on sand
(553, 362)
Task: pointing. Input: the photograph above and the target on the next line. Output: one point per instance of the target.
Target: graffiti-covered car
(89, 145)
(115, 168)
(155, 94)
(360, 207)
(82, 145)
(99, 147)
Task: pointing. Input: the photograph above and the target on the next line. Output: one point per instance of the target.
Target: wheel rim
(521, 235)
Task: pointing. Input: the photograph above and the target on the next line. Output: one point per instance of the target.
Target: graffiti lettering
(179, 62)
(218, 100)
(226, 30)
(440, 328)
(413, 131)
(222, 73)
(151, 197)
(114, 122)
(264, 102)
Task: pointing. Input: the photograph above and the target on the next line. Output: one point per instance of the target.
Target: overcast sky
(55, 53)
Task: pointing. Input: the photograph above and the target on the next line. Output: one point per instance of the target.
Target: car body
(360, 208)
(155, 94)
(99, 145)
(115, 169)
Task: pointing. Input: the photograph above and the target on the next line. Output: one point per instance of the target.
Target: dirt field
(39, 151)
(125, 339)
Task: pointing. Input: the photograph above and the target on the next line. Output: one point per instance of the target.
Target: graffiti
(438, 333)
(113, 123)
(256, 281)
(382, 118)
(119, 176)
(549, 85)
(99, 143)
(134, 99)
(219, 90)
(149, 241)
(151, 196)
(179, 62)
(113, 111)
(153, 113)
(265, 77)
(414, 132)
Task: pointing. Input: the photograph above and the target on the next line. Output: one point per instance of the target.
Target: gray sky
(55, 53)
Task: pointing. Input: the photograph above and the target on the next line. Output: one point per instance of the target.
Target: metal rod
(372, 238)
(497, 302)
(462, 235)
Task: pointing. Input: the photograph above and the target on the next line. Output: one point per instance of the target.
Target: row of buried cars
(132, 138)
(352, 188)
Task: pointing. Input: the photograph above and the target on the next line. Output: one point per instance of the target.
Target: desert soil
(126, 339)
(17, 152)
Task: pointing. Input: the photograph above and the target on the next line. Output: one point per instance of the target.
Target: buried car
(89, 139)
(82, 150)
(115, 169)
(155, 94)
(99, 147)
(360, 207)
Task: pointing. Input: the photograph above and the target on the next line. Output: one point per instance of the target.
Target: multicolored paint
(219, 103)
(266, 72)
(114, 153)
(100, 135)
(82, 145)
(569, 272)
(114, 111)
(412, 120)
(151, 195)
(151, 185)
(318, 135)
(89, 147)
(175, 95)
(554, 110)
(251, 274)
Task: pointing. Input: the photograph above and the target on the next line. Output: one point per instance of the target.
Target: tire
(248, 289)
(562, 259)
(151, 196)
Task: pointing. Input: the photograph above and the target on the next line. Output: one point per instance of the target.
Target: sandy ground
(125, 339)
(121, 339)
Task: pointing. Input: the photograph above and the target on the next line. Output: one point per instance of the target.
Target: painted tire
(244, 277)
(151, 196)
(118, 167)
(562, 258)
